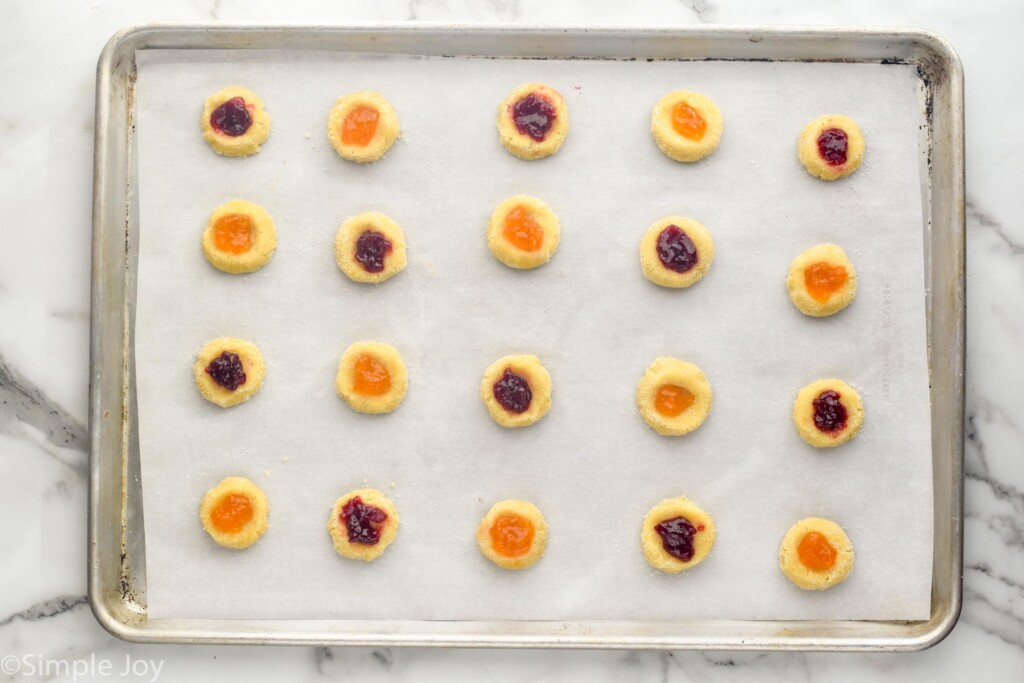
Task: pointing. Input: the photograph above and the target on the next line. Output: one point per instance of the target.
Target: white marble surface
(48, 52)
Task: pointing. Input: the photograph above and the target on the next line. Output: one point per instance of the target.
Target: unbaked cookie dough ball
(674, 397)
(372, 377)
(234, 513)
(676, 252)
(686, 125)
(822, 281)
(513, 534)
(363, 524)
(533, 121)
(827, 413)
(523, 232)
(816, 554)
(370, 247)
(362, 126)
(228, 371)
(240, 237)
(676, 535)
(516, 391)
(234, 122)
(831, 147)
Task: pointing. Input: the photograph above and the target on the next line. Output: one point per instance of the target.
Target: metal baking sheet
(607, 44)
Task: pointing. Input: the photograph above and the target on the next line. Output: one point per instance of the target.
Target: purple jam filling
(676, 250)
(534, 116)
(231, 118)
(226, 370)
(362, 521)
(512, 391)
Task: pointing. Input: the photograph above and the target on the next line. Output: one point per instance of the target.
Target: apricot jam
(362, 521)
(815, 552)
(522, 231)
(687, 122)
(360, 126)
(512, 392)
(832, 146)
(534, 116)
(671, 400)
(676, 250)
(231, 118)
(823, 280)
(511, 535)
(370, 377)
(829, 413)
(226, 370)
(231, 513)
(233, 233)
(677, 537)
(372, 249)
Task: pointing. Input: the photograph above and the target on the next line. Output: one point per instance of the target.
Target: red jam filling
(231, 118)
(676, 250)
(829, 413)
(226, 370)
(371, 249)
(677, 537)
(534, 116)
(512, 392)
(832, 146)
(362, 521)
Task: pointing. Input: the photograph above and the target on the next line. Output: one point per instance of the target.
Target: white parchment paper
(592, 465)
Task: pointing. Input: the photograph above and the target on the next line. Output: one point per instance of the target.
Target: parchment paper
(592, 465)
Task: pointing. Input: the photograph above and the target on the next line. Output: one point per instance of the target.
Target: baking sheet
(592, 465)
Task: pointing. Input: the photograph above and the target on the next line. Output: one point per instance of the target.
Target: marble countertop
(48, 53)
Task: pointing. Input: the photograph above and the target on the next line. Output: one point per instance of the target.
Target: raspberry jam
(371, 249)
(362, 521)
(829, 413)
(226, 370)
(534, 116)
(677, 537)
(832, 146)
(512, 391)
(231, 118)
(676, 250)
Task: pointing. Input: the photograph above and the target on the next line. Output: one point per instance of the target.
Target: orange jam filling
(511, 535)
(370, 377)
(823, 280)
(672, 400)
(232, 513)
(816, 552)
(687, 122)
(233, 233)
(360, 126)
(522, 231)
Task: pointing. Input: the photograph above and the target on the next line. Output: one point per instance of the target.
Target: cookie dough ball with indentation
(362, 126)
(822, 281)
(831, 147)
(513, 534)
(533, 121)
(240, 237)
(674, 397)
(363, 524)
(827, 413)
(523, 232)
(370, 247)
(234, 513)
(372, 377)
(516, 391)
(816, 554)
(676, 535)
(676, 252)
(686, 125)
(228, 371)
(234, 122)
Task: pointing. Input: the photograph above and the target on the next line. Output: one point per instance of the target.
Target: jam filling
(512, 391)
(815, 552)
(671, 400)
(226, 370)
(231, 513)
(232, 118)
(360, 126)
(829, 413)
(233, 234)
(511, 535)
(832, 146)
(823, 280)
(687, 122)
(676, 250)
(534, 115)
(372, 248)
(522, 231)
(677, 537)
(370, 377)
(362, 521)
